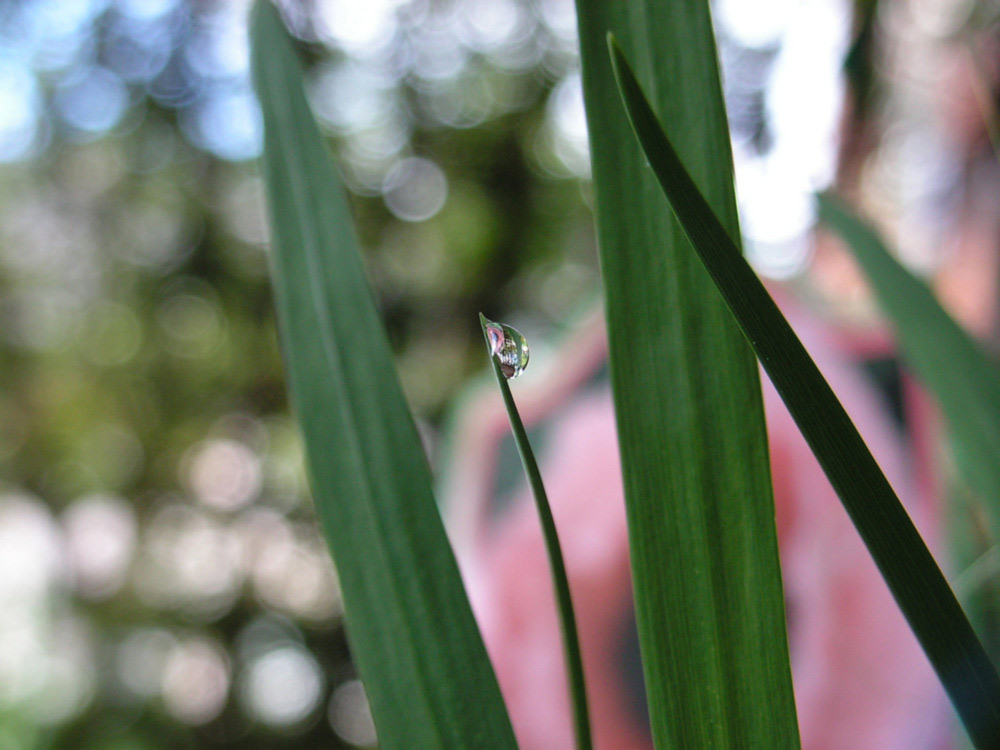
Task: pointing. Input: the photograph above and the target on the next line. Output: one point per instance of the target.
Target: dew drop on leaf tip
(508, 346)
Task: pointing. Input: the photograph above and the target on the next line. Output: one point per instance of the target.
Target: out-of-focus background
(162, 581)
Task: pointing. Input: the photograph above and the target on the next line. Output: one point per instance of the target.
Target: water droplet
(508, 346)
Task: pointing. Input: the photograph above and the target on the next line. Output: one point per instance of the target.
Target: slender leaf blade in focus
(907, 566)
(412, 634)
(703, 547)
(965, 382)
(560, 581)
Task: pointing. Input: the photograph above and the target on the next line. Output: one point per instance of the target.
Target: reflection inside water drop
(508, 346)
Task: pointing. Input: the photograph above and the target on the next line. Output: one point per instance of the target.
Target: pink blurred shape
(861, 680)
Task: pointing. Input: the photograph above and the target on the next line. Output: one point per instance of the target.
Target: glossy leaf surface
(708, 592)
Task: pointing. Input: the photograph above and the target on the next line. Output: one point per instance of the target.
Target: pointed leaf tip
(617, 58)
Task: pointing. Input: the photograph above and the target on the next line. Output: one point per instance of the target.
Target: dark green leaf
(709, 602)
(904, 561)
(411, 630)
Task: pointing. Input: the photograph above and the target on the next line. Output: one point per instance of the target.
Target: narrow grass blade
(965, 382)
(564, 602)
(412, 634)
(703, 546)
(966, 385)
(904, 561)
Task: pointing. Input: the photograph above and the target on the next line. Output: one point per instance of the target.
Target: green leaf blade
(906, 565)
(413, 637)
(560, 581)
(703, 547)
(965, 382)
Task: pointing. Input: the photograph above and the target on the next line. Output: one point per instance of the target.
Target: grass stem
(564, 601)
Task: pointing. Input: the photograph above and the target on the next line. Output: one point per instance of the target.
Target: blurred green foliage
(141, 377)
